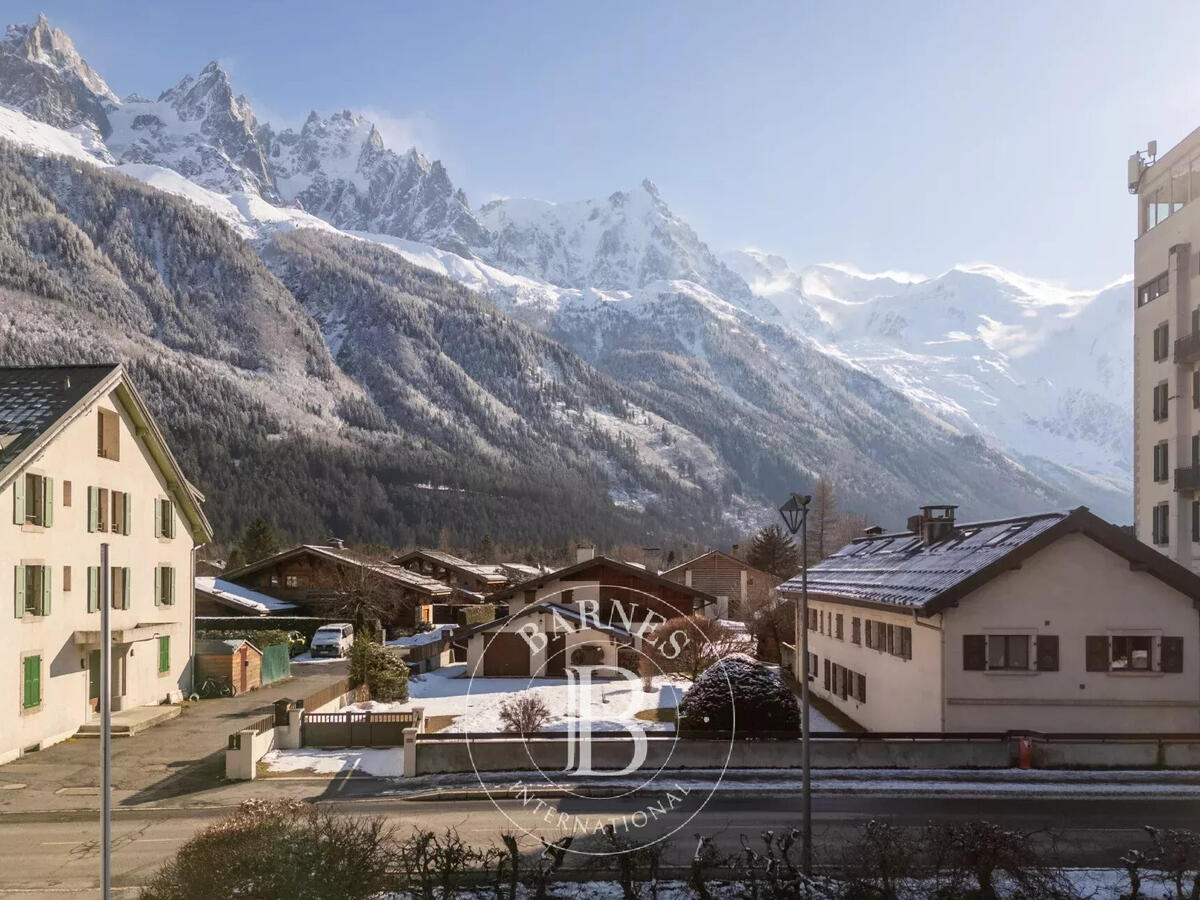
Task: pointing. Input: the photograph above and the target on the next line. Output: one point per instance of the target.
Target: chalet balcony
(1187, 479)
(1187, 348)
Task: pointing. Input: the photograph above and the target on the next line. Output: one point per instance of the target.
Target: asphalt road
(59, 856)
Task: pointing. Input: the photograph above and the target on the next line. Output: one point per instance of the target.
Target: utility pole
(795, 517)
(105, 727)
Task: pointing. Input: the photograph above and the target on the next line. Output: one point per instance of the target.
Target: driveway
(180, 760)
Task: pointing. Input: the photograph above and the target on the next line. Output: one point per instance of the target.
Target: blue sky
(904, 136)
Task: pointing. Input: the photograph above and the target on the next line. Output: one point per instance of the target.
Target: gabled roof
(565, 610)
(899, 570)
(414, 580)
(227, 647)
(596, 561)
(38, 402)
(239, 597)
(691, 563)
(493, 573)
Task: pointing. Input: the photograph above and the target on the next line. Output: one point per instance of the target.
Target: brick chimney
(934, 523)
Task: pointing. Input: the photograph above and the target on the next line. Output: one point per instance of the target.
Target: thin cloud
(399, 133)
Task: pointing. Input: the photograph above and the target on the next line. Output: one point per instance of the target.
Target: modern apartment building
(1166, 409)
(82, 463)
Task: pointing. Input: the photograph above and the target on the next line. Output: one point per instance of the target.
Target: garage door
(506, 654)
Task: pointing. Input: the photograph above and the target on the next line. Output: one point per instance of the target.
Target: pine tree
(774, 551)
(259, 541)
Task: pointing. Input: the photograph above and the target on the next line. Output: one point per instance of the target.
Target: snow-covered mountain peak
(622, 242)
(44, 44)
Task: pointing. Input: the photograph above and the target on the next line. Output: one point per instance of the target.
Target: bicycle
(212, 688)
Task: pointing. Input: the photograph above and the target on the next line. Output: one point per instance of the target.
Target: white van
(332, 640)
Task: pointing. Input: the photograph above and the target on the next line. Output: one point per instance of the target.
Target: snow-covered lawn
(384, 763)
(475, 702)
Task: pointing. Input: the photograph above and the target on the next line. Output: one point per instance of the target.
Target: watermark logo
(607, 760)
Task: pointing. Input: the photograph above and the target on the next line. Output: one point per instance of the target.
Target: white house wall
(72, 456)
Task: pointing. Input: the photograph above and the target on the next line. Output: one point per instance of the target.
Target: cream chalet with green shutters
(81, 464)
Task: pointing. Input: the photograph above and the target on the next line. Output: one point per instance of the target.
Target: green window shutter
(45, 590)
(164, 653)
(48, 503)
(158, 580)
(19, 500)
(128, 513)
(170, 510)
(93, 509)
(170, 572)
(158, 520)
(125, 592)
(93, 599)
(32, 692)
(19, 591)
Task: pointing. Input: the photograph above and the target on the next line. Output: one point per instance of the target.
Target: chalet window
(862, 688)
(1160, 524)
(1130, 653)
(119, 520)
(1008, 651)
(1160, 402)
(1152, 289)
(33, 500)
(1160, 461)
(164, 518)
(855, 630)
(291, 581)
(120, 587)
(1161, 342)
(108, 437)
(31, 591)
(164, 586)
(837, 627)
(1047, 652)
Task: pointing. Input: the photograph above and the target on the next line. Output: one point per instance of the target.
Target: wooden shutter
(1047, 652)
(1170, 654)
(164, 653)
(862, 688)
(19, 500)
(974, 652)
(93, 600)
(46, 590)
(1096, 652)
(93, 508)
(19, 591)
(32, 682)
(826, 674)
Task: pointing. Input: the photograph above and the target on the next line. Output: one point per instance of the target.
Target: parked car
(332, 640)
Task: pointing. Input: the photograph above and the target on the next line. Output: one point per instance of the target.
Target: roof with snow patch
(235, 595)
(900, 570)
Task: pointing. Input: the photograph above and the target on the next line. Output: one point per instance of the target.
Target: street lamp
(795, 517)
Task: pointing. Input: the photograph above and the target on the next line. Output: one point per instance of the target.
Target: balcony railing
(1187, 348)
(1187, 478)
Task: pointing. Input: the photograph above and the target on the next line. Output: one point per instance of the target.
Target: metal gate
(276, 664)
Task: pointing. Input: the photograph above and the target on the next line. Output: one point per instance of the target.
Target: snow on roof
(899, 569)
(240, 596)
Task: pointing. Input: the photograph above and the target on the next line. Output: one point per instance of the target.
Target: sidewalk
(180, 762)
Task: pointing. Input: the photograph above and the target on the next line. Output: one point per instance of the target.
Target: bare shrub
(524, 713)
(688, 645)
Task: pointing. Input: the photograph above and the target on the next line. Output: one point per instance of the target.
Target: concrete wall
(72, 457)
(1073, 588)
(902, 694)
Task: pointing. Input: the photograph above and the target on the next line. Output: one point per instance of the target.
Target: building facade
(1054, 623)
(1166, 405)
(738, 586)
(82, 464)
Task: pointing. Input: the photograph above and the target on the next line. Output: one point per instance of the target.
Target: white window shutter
(48, 503)
(158, 521)
(158, 581)
(93, 508)
(19, 591)
(93, 588)
(125, 592)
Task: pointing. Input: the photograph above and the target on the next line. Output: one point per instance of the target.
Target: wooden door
(556, 656)
(506, 655)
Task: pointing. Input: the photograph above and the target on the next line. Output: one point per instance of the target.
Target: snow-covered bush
(524, 713)
(737, 694)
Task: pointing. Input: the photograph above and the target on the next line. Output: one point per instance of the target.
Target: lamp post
(795, 517)
(105, 727)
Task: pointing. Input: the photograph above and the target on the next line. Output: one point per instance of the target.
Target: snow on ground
(421, 638)
(476, 702)
(382, 763)
(307, 657)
